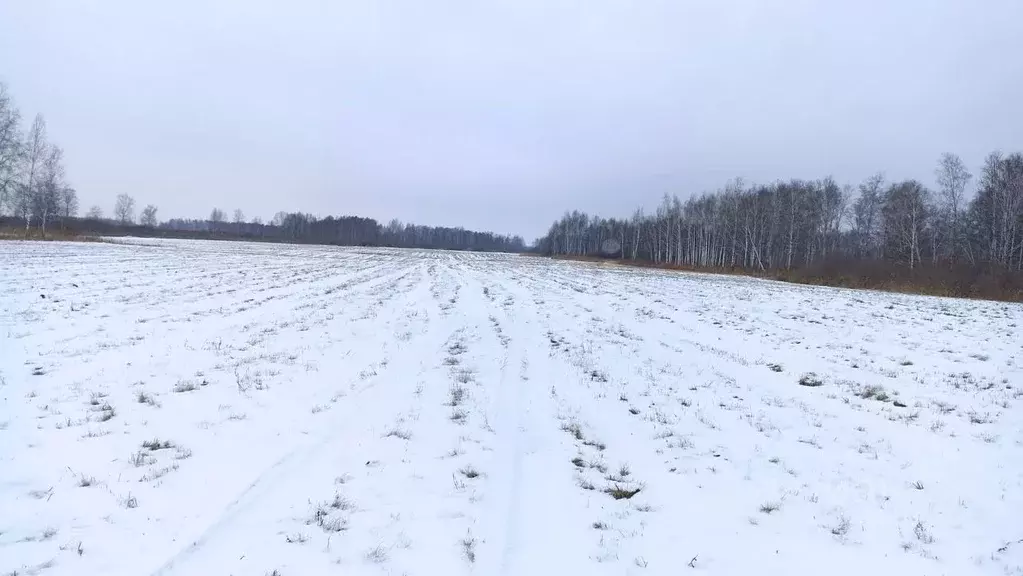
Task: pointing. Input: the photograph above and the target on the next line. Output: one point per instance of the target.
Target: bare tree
(50, 184)
(216, 217)
(68, 204)
(10, 148)
(94, 213)
(124, 209)
(953, 178)
(148, 217)
(23, 203)
(34, 153)
(905, 217)
(239, 216)
(866, 215)
(997, 212)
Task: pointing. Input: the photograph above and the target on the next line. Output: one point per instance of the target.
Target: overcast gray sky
(502, 114)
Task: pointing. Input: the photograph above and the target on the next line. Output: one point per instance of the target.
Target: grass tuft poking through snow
(156, 444)
(399, 432)
(619, 492)
(469, 548)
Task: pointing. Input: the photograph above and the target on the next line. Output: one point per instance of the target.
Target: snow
(310, 399)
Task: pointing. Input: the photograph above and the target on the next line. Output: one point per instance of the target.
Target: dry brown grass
(14, 233)
(940, 280)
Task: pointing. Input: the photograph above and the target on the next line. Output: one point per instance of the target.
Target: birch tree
(10, 149)
(50, 184)
(35, 149)
(953, 178)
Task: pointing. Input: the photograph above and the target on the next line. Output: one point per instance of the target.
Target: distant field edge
(963, 282)
(56, 235)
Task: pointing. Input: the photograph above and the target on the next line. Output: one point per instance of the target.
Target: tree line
(800, 222)
(346, 231)
(34, 192)
(808, 224)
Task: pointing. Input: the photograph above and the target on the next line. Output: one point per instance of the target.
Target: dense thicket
(817, 225)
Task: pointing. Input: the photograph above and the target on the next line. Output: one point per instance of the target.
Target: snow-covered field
(214, 408)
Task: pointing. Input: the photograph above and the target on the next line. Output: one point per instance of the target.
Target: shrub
(811, 379)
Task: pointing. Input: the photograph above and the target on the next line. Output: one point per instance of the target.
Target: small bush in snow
(341, 503)
(159, 473)
(770, 507)
(621, 493)
(334, 524)
(874, 392)
(377, 555)
(106, 412)
(811, 379)
(156, 444)
(185, 386)
(457, 395)
(574, 429)
(976, 418)
(140, 458)
(922, 534)
(469, 548)
(842, 528)
(399, 433)
(469, 472)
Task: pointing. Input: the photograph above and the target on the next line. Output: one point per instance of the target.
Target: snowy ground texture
(214, 408)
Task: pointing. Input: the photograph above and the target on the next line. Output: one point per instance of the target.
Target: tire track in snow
(527, 525)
